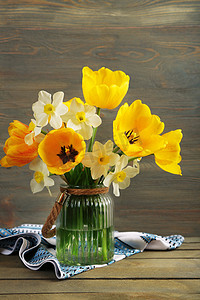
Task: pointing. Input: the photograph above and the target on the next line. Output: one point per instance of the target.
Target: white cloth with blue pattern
(35, 250)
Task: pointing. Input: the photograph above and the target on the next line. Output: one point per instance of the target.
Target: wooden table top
(44, 44)
(149, 275)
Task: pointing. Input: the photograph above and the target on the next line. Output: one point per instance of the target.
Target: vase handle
(47, 230)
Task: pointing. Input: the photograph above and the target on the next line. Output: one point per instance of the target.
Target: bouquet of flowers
(61, 149)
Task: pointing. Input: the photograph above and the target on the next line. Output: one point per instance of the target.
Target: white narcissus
(100, 159)
(81, 118)
(121, 176)
(46, 112)
(41, 176)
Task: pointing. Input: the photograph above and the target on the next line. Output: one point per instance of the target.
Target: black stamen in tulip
(67, 154)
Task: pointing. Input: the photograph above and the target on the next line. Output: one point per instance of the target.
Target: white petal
(66, 117)
(88, 160)
(125, 183)
(97, 171)
(107, 181)
(42, 120)
(44, 169)
(36, 187)
(75, 106)
(37, 130)
(86, 131)
(108, 147)
(29, 138)
(94, 120)
(98, 149)
(122, 163)
(89, 110)
(55, 121)
(58, 98)
(36, 164)
(131, 171)
(74, 124)
(114, 158)
(44, 97)
(38, 108)
(48, 181)
(116, 189)
(61, 109)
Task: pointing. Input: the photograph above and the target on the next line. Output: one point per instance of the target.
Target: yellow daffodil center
(103, 160)
(67, 154)
(38, 176)
(80, 116)
(132, 136)
(31, 126)
(49, 109)
(121, 176)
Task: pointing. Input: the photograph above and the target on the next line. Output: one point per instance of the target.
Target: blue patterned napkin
(35, 250)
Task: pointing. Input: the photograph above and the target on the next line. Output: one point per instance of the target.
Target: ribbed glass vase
(84, 228)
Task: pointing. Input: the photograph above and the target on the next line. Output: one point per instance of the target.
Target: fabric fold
(35, 250)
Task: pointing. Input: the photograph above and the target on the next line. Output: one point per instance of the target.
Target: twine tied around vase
(47, 230)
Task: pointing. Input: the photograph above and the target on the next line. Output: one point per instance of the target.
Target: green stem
(132, 158)
(94, 133)
(104, 245)
(116, 149)
(77, 180)
(44, 132)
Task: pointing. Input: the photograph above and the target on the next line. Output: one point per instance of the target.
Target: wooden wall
(45, 43)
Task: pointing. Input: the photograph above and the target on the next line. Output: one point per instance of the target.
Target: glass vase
(84, 228)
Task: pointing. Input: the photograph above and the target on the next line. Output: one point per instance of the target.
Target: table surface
(149, 275)
(44, 44)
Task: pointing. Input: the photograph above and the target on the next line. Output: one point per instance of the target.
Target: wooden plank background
(45, 43)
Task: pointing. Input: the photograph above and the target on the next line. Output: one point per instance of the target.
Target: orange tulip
(18, 153)
(61, 150)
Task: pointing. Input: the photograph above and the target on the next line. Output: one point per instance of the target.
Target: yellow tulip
(169, 157)
(104, 88)
(136, 131)
(61, 150)
(18, 153)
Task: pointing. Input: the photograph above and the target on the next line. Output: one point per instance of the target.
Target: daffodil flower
(100, 159)
(46, 112)
(35, 133)
(121, 176)
(40, 178)
(82, 118)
